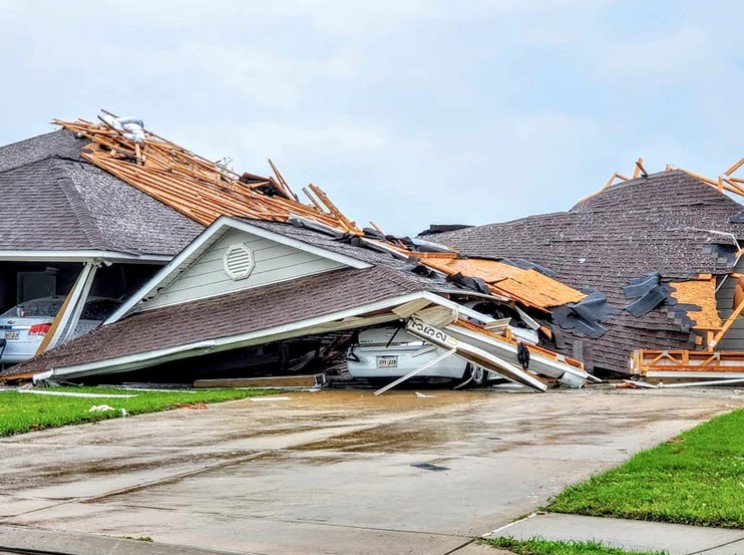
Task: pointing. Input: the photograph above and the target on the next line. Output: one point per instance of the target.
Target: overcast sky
(405, 112)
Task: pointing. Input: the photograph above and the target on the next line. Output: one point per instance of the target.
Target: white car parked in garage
(23, 327)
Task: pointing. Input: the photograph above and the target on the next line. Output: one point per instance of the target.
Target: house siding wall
(734, 338)
(206, 277)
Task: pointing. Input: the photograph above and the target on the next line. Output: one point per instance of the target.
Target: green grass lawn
(695, 478)
(24, 412)
(538, 546)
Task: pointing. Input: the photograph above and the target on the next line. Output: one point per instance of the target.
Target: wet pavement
(334, 471)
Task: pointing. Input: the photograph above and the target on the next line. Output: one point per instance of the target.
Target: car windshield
(35, 308)
(95, 309)
(99, 309)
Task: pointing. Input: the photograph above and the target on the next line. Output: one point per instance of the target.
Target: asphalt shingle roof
(669, 222)
(226, 315)
(53, 200)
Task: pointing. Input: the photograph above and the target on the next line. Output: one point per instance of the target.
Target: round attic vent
(239, 261)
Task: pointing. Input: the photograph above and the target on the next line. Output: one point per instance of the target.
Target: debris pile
(637, 277)
(198, 188)
(496, 315)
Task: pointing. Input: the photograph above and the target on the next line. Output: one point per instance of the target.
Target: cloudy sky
(408, 112)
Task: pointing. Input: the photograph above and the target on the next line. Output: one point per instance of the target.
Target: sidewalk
(636, 535)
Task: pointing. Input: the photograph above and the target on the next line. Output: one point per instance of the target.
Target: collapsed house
(271, 276)
(664, 248)
(245, 283)
(75, 237)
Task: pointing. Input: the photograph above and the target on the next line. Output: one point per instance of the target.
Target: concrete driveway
(333, 472)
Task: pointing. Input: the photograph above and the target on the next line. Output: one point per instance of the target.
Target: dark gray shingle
(226, 316)
(667, 222)
(53, 200)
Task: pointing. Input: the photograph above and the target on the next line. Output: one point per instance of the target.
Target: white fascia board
(283, 331)
(122, 364)
(464, 310)
(79, 256)
(206, 238)
(297, 244)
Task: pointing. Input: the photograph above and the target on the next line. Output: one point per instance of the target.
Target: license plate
(11, 335)
(387, 362)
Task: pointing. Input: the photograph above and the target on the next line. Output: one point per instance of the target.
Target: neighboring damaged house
(665, 251)
(71, 232)
(248, 283)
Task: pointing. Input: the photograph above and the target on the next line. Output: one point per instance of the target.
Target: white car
(24, 326)
(390, 352)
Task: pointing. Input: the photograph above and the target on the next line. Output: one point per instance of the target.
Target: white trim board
(345, 319)
(80, 256)
(212, 234)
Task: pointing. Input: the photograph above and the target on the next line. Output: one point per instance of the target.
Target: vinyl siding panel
(734, 338)
(206, 276)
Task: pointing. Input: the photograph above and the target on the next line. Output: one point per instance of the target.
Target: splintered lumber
(376, 227)
(351, 226)
(282, 181)
(735, 167)
(196, 187)
(609, 183)
(639, 169)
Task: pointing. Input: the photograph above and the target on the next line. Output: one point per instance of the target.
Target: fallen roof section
(528, 286)
(131, 343)
(370, 291)
(276, 308)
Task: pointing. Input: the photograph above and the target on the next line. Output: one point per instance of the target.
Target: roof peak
(59, 143)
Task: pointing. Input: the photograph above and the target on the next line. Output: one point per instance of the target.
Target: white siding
(206, 276)
(734, 338)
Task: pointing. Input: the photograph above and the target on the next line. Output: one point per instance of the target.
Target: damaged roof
(669, 222)
(226, 316)
(198, 188)
(68, 204)
(209, 193)
(205, 191)
(369, 277)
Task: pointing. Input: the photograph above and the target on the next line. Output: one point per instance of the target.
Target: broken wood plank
(310, 380)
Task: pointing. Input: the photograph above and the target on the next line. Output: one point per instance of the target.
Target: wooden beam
(287, 190)
(55, 324)
(62, 319)
(637, 168)
(610, 181)
(696, 175)
(376, 227)
(732, 185)
(739, 163)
